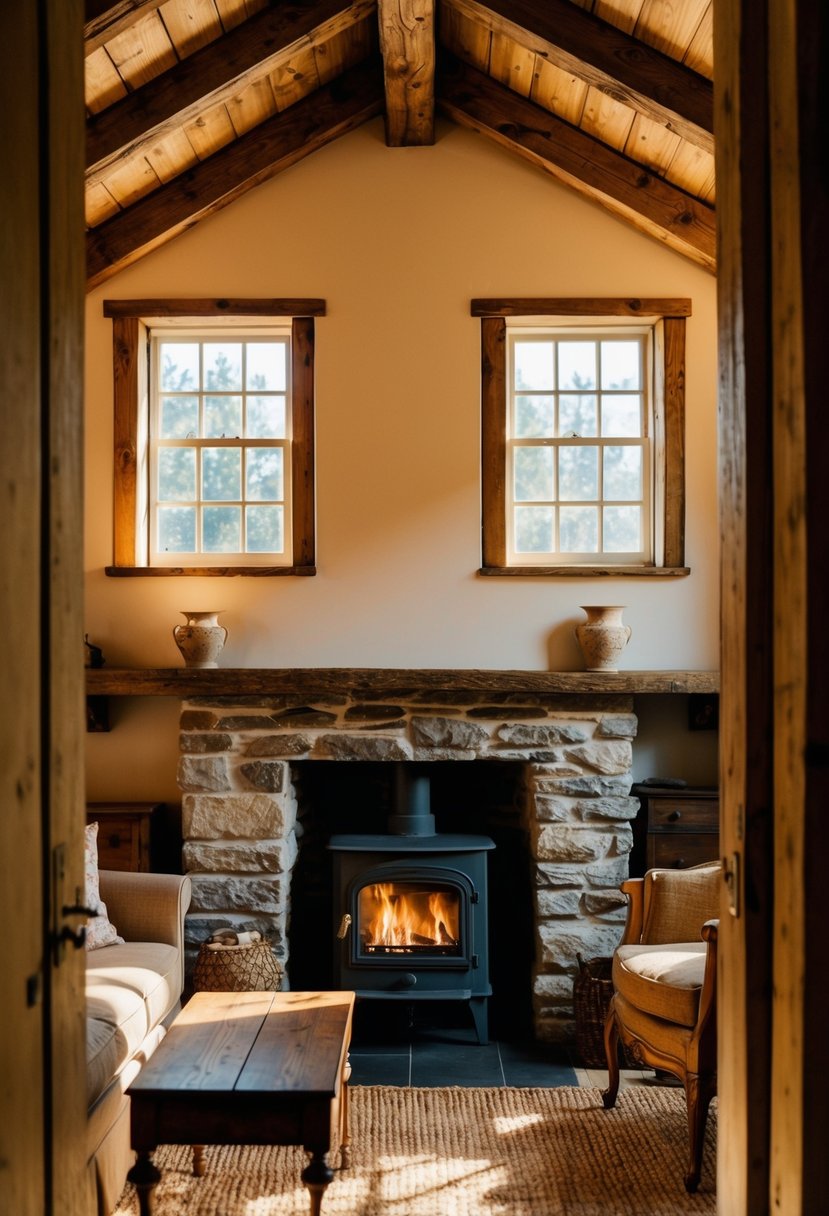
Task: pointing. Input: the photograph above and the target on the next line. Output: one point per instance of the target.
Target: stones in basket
(236, 962)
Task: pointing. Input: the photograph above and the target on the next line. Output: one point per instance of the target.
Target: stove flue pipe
(413, 816)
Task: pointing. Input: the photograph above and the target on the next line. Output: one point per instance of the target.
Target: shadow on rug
(465, 1152)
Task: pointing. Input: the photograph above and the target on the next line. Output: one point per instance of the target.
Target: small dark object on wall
(93, 656)
(703, 711)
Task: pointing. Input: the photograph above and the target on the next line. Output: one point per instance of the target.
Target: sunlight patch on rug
(464, 1152)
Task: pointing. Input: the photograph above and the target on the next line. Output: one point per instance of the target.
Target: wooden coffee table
(247, 1068)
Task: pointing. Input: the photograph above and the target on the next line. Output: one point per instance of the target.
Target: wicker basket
(249, 968)
(592, 990)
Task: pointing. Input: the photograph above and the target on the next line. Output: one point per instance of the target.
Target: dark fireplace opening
(404, 914)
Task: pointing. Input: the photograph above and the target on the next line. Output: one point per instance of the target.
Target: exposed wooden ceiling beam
(211, 76)
(407, 43)
(105, 20)
(595, 170)
(281, 141)
(614, 62)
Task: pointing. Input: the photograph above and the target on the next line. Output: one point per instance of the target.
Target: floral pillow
(99, 929)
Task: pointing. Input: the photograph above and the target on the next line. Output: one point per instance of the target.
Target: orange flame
(402, 914)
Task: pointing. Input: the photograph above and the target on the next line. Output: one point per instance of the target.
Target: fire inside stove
(409, 918)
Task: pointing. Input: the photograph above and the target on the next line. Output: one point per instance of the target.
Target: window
(214, 469)
(583, 436)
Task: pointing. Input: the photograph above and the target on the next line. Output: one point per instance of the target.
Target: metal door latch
(731, 876)
(345, 924)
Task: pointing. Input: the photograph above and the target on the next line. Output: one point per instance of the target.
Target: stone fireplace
(240, 773)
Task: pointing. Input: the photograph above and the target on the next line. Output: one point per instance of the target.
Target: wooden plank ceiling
(192, 102)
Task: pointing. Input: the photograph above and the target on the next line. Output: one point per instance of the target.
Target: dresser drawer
(670, 851)
(124, 834)
(683, 814)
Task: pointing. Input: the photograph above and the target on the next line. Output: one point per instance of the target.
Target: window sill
(207, 571)
(585, 571)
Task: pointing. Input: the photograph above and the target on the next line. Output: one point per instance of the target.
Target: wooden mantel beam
(281, 141)
(606, 58)
(211, 76)
(407, 43)
(619, 184)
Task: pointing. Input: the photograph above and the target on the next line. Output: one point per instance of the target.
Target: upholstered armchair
(665, 990)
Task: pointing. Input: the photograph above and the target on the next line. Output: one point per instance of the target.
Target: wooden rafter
(281, 141)
(407, 43)
(105, 20)
(589, 166)
(211, 76)
(608, 59)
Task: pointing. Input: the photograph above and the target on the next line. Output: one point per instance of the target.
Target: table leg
(145, 1176)
(316, 1176)
(199, 1163)
(345, 1134)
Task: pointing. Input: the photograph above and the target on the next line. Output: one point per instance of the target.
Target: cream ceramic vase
(602, 636)
(201, 640)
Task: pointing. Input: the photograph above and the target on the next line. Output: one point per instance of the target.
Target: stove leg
(480, 1017)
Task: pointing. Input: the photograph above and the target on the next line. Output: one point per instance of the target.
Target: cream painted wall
(397, 241)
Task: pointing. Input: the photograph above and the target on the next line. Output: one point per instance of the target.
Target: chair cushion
(679, 902)
(106, 1052)
(663, 980)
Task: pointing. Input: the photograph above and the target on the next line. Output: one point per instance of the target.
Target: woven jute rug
(465, 1152)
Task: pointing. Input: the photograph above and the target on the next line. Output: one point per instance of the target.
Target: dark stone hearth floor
(440, 1051)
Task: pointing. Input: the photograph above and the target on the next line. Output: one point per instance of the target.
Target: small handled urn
(602, 636)
(201, 639)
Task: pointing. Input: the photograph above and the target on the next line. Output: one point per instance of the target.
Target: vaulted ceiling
(192, 102)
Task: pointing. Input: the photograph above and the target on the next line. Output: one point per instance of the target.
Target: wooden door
(42, 1048)
(773, 279)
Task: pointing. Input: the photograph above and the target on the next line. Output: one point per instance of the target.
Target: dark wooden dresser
(676, 827)
(126, 833)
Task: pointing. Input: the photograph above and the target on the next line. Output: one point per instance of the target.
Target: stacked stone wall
(239, 808)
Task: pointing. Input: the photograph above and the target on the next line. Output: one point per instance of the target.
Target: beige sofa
(133, 991)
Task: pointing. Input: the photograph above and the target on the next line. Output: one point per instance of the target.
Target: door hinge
(731, 877)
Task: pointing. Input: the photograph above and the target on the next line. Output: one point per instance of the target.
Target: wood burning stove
(410, 909)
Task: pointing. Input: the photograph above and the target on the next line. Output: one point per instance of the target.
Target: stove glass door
(413, 917)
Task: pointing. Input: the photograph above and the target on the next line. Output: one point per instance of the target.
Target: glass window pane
(623, 473)
(622, 415)
(221, 472)
(222, 529)
(533, 529)
(578, 529)
(177, 474)
(177, 529)
(179, 418)
(265, 418)
(576, 365)
(223, 366)
(179, 364)
(622, 529)
(578, 473)
(264, 473)
(533, 365)
(577, 416)
(264, 529)
(222, 417)
(533, 474)
(534, 417)
(621, 365)
(266, 366)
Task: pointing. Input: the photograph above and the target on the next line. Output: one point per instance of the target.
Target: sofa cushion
(148, 970)
(663, 980)
(106, 1053)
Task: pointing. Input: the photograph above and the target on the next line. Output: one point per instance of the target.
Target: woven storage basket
(250, 968)
(592, 990)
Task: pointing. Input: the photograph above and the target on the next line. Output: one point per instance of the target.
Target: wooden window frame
(131, 322)
(668, 317)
